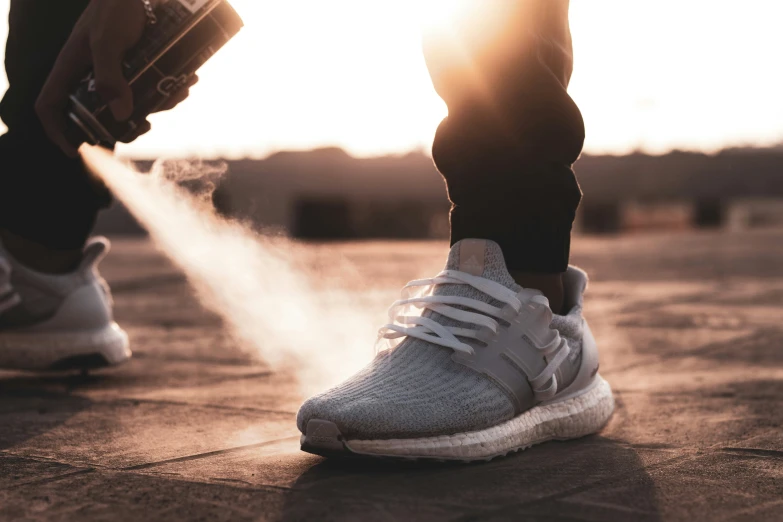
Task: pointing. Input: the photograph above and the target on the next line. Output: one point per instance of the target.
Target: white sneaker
(482, 368)
(58, 322)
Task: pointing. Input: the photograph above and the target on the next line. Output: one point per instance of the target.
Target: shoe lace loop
(417, 295)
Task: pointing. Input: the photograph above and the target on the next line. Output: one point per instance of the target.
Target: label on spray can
(186, 35)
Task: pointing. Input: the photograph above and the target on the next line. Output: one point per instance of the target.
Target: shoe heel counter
(86, 308)
(588, 368)
(590, 361)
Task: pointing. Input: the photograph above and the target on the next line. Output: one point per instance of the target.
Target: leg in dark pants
(513, 132)
(45, 197)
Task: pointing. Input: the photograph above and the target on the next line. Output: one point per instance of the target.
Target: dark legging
(505, 150)
(512, 133)
(44, 196)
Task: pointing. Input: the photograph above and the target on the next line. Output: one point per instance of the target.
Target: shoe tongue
(478, 257)
(483, 258)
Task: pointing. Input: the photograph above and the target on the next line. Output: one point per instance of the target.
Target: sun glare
(304, 74)
(441, 13)
(350, 73)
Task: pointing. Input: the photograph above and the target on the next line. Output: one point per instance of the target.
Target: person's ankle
(551, 285)
(38, 257)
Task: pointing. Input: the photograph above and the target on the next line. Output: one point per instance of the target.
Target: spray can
(187, 33)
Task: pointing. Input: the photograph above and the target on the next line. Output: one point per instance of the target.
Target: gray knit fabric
(416, 389)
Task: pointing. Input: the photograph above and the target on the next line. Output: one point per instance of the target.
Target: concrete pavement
(692, 343)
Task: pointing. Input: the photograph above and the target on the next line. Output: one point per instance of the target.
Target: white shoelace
(429, 330)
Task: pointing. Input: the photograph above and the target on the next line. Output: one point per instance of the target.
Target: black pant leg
(45, 196)
(512, 133)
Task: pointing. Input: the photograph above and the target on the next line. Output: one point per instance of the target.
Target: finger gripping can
(187, 33)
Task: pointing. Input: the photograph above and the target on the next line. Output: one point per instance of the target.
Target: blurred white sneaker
(58, 322)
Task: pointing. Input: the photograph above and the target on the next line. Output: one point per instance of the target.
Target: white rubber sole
(36, 351)
(571, 418)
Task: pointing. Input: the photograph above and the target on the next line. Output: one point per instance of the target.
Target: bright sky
(693, 74)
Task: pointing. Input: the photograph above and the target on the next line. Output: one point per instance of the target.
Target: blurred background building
(346, 81)
(327, 194)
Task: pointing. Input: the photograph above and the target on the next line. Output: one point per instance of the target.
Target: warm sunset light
(307, 73)
(391, 260)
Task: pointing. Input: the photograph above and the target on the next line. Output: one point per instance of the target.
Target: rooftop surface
(690, 331)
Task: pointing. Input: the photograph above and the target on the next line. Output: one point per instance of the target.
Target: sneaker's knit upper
(417, 389)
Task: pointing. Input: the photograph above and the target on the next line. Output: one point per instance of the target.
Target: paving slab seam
(230, 362)
(229, 378)
(736, 442)
(585, 487)
(231, 483)
(752, 453)
(336, 494)
(134, 401)
(205, 455)
(691, 454)
(48, 460)
(241, 485)
(220, 379)
(34, 458)
(664, 448)
(149, 465)
(49, 480)
(222, 407)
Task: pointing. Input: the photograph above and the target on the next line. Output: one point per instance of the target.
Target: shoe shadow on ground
(589, 479)
(31, 405)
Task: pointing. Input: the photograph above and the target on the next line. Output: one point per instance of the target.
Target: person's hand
(103, 35)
